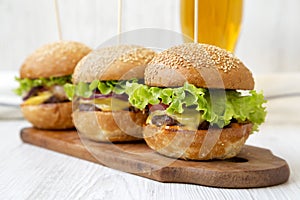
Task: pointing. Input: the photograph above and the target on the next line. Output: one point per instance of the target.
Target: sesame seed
(203, 55)
(100, 60)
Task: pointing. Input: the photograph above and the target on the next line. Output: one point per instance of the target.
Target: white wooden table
(29, 172)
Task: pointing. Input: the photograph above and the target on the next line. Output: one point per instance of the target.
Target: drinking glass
(219, 21)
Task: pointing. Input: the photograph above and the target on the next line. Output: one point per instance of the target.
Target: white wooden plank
(34, 173)
(269, 40)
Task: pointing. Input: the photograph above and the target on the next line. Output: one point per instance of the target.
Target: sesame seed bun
(122, 62)
(205, 66)
(53, 60)
(173, 141)
(113, 63)
(202, 65)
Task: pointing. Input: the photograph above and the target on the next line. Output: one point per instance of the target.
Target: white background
(269, 40)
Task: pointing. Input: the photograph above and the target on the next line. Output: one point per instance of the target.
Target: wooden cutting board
(253, 167)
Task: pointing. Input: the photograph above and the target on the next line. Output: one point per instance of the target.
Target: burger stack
(42, 76)
(192, 101)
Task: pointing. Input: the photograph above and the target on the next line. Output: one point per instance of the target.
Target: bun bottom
(49, 116)
(116, 126)
(173, 141)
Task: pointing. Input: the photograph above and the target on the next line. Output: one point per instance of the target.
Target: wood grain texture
(262, 168)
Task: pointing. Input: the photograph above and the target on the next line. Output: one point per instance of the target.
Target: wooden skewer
(120, 8)
(58, 23)
(196, 14)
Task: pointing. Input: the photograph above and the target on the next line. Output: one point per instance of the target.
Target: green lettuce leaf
(218, 107)
(26, 84)
(105, 87)
(69, 90)
(82, 90)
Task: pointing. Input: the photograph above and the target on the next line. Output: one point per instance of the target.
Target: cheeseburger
(42, 77)
(201, 103)
(101, 109)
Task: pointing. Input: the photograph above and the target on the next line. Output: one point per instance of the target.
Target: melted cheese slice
(189, 118)
(107, 104)
(39, 99)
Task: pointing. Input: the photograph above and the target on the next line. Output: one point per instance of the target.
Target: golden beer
(219, 21)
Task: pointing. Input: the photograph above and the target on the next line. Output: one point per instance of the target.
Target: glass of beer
(219, 21)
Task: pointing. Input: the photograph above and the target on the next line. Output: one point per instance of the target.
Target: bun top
(53, 60)
(202, 65)
(120, 62)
